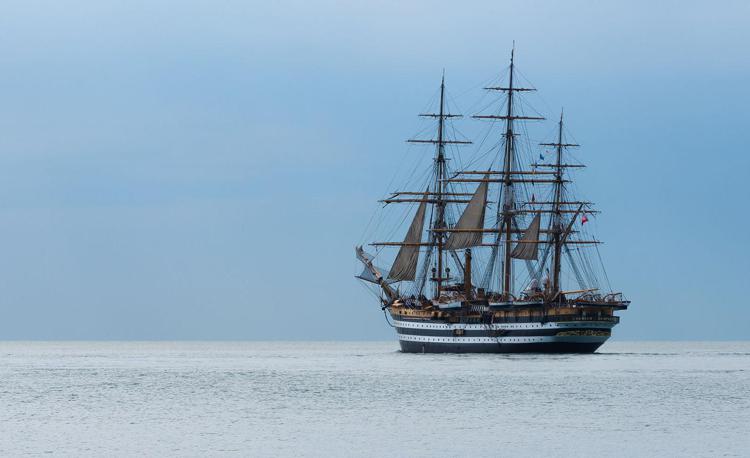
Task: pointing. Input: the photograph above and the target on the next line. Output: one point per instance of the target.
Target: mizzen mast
(556, 215)
(558, 233)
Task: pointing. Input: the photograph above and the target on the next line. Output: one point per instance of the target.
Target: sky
(203, 170)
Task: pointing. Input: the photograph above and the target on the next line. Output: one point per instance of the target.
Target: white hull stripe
(499, 326)
(504, 340)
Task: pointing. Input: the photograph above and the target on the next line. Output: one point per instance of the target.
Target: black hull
(539, 347)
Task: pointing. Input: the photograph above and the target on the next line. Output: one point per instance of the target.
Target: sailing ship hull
(432, 336)
(497, 347)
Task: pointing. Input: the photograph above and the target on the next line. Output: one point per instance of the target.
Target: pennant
(584, 220)
(533, 199)
(541, 157)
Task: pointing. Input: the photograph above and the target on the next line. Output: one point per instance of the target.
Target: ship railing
(555, 318)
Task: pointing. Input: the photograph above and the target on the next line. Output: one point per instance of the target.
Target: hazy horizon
(386, 339)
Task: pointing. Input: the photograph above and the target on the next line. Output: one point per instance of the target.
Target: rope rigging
(508, 224)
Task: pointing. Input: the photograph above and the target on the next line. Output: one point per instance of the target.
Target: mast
(439, 177)
(508, 187)
(438, 195)
(556, 215)
(506, 208)
(559, 234)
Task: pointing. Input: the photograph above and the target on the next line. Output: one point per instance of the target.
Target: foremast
(439, 197)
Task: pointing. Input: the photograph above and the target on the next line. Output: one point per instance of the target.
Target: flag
(541, 157)
(584, 220)
(533, 199)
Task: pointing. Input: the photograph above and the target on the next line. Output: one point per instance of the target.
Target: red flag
(584, 220)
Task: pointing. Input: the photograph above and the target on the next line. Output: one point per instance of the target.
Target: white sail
(405, 265)
(529, 246)
(472, 219)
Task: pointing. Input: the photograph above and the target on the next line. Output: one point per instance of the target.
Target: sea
(346, 399)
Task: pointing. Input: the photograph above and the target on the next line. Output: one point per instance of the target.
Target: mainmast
(557, 217)
(507, 208)
(440, 176)
(508, 187)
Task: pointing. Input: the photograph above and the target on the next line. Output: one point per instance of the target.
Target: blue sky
(202, 170)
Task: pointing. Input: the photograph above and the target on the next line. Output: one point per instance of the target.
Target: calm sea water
(367, 399)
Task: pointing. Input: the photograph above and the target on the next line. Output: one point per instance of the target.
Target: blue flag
(541, 157)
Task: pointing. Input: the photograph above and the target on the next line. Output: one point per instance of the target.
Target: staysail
(472, 219)
(405, 265)
(528, 246)
(371, 272)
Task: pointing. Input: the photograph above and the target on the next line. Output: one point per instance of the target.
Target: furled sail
(472, 219)
(405, 265)
(529, 246)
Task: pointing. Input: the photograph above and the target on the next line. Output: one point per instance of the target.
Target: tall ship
(497, 255)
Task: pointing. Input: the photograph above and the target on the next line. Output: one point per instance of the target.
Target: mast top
(510, 87)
